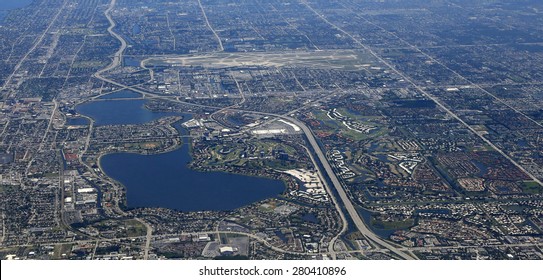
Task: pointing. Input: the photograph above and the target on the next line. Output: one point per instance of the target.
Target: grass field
(336, 126)
(531, 188)
(230, 154)
(134, 228)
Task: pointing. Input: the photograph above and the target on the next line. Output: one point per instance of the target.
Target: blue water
(6, 5)
(111, 112)
(131, 61)
(136, 29)
(121, 94)
(366, 215)
(308, 217)
(164, 180)
(77, 121)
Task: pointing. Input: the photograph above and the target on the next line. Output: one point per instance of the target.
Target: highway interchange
(340, 198)
(326, 173)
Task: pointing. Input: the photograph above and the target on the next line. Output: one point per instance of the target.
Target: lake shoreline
(165, 179)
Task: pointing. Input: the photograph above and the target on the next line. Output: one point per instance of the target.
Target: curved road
(118, 57)
(359, 223)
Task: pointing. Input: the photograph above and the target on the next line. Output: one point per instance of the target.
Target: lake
(164, 180)
(109, 112)
(77, 121)
(121, 94)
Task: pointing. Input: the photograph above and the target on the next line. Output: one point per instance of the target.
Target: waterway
(121, 94)
(77, 121)
(114, 112)
(164, 180)
(7, 5)
(131, 61)
(366, 215)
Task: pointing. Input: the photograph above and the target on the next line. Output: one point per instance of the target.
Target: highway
(221, 47)
(320, 155)
(280, 250)
(425, 93)
(47, 130)
(344, 224)
(358, 222)
(471, 83)
(38, 42)
(118, 57)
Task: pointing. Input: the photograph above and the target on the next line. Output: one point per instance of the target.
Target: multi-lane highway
(359, 223)
(328, 171)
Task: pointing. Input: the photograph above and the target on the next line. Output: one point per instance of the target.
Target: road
(221, 47)
(118, 56)
(3, 228)
(280, 250)
(359, 223)
(258, 238)
(44, 138)
(322, 158)
(49, 125)
(148, 237)
(38, 42)
(424, 92)
(344, 221)
(470, 83)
